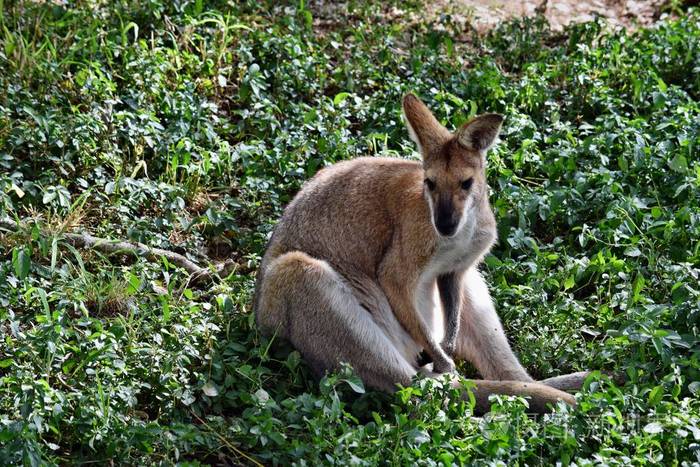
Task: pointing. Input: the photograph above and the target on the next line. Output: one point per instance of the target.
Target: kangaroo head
(453, 163)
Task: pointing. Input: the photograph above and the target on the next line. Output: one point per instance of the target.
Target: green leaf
(679, 163)
(44, 300)
(134, 283)
(166, 310)
(622, 163)
(694, 388)
(653, 428)
(262, 396)
(210, 389)
(49, 196)
(655, 396)
(340, 98)
(633, 252)
(21, 261)
(638, 286)
(355, 384)
(54, 252)
(569, 282)
(18, 191)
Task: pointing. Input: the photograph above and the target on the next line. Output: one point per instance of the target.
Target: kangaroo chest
(457, 254)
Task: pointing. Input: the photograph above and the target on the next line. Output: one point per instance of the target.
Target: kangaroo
(374, 263)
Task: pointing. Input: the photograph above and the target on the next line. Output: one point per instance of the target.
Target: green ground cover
(189, 125)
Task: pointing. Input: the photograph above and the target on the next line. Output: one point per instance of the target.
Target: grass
(189, 125)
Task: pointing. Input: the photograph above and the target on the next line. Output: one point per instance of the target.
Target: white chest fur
(453, 254)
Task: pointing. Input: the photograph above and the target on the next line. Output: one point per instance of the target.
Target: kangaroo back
(348, 213)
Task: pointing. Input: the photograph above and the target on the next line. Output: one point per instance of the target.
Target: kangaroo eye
(467, 184)
(430, 184)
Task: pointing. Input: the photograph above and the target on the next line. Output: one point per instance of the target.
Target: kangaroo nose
(446, 227)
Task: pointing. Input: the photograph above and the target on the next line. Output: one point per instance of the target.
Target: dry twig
(198, 275)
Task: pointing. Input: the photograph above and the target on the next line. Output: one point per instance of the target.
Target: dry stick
(197, 273)
(226, 442)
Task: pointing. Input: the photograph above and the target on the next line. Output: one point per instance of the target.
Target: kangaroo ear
(479, 133)
(423, 127)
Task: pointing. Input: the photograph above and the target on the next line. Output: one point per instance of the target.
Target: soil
(485, 14)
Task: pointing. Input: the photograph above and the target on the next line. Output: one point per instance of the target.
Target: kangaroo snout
(446, 219)
(446, 226)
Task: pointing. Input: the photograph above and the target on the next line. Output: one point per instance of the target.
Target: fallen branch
(198, 274)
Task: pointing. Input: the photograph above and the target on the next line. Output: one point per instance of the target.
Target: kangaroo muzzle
(446, 218)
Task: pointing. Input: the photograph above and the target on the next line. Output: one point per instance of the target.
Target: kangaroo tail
(541, 397)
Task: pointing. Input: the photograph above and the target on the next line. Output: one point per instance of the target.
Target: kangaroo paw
(446, 365)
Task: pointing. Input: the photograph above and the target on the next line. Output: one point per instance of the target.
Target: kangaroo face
(450, 186)
(453, 163)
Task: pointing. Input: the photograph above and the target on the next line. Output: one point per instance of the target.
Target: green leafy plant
(189, 125)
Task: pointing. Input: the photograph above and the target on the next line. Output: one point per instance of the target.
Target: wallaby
(374, 263)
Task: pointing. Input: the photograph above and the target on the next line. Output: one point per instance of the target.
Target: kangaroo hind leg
(307, 302)
(483, 342)
(481, 338)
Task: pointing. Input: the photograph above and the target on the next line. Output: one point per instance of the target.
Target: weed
(189, 125)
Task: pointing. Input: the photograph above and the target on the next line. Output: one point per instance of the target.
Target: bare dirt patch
(485, 14)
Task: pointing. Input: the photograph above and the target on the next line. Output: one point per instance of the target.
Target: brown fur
(352, 265)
